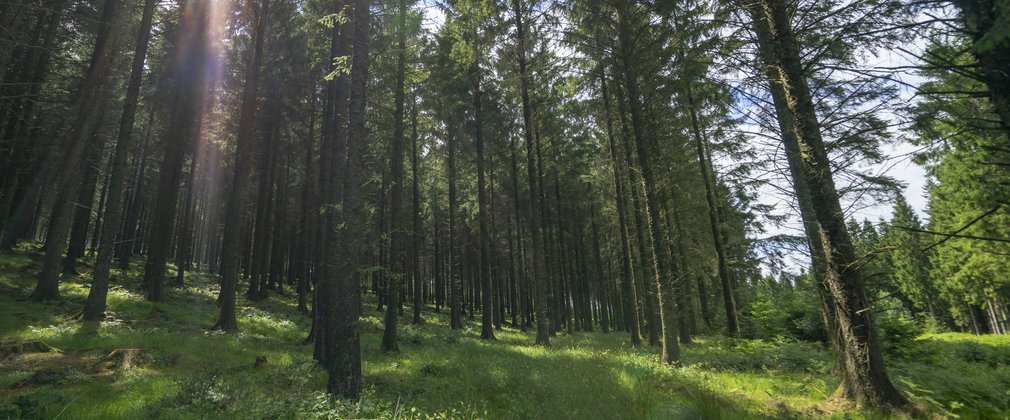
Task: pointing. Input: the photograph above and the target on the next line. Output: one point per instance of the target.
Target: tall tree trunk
(19, 130)
(487, 307)
(231, 246)
(189, 76)
(627, 282)
(396, 207)
(865, 378)
(536, 251)
(663, 273)
(94, 306)
(708, 180)
(345, 370)
(415, 248)
(307, 242)
(85, 197)
(455, 265)
(83, 127)
(519, 273)
(602, 283)
(646, 268)
(135, 199)
(184, 251)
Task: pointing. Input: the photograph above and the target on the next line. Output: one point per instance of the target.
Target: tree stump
(120, 360)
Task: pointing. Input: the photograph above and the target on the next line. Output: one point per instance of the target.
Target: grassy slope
(190, 372)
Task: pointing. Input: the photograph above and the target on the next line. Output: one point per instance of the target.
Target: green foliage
(958, 374)
(444, 374)
(895, 329)
(968, 188)
(760, 355)
(778, 310)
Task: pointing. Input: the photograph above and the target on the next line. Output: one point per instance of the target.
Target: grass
(188, 371)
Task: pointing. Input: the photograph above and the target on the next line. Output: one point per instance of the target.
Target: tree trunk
(663, 273)
(83, 127)
(345, 370)
(183, 254)
(94, 307)
(397, 218)
(865, 379)
(536, 251)
(627, 282)
(231, 245)
(189, 74)
(487, 307)
(415, 248)
(86, 197)
(455, 276)
(708, 180)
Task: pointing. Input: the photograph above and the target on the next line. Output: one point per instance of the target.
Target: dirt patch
(12, 349)
(50, 366)
(57, 376)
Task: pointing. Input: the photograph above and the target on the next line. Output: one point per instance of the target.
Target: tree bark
(627, 282)
(189, 75)
(397, 218)
(663, 273)
(231, 246)
(83, 127)
(536, 250)
(94, 306)
(704, 164)
(865, 379)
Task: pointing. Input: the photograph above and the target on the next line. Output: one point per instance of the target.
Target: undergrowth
(192, 372)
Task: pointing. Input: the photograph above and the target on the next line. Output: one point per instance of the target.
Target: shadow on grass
(512, 378)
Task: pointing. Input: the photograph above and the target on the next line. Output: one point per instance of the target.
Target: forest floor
(161, 361)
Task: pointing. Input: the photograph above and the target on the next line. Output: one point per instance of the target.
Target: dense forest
(459, 208)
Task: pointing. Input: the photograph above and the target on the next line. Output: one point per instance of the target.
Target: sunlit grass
(192, 372)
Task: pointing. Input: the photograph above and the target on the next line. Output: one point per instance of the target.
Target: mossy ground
(189, 371)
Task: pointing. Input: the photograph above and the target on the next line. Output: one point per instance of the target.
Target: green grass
(191, 372)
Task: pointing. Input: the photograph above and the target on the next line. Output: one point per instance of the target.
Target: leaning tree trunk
(865, 379)
(94, 307)
(83, 127)
(85, 197)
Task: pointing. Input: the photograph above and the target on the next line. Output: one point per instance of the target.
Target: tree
(94, 307)
(536, 250)
(188, 76)
(236, 201)
(864, 377)
(84, 125)
(396, 212)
